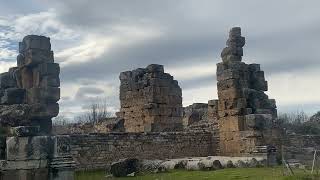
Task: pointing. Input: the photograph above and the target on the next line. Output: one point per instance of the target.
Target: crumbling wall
(98, 151)
(300, 148)
(151, 100)
(245, 112)
(201, 117)
(194, 113)
(104, 126)
(30, 91)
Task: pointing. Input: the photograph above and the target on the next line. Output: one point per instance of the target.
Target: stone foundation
(35, 158)
(99, 150)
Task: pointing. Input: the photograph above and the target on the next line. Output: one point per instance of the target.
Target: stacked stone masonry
(245, 112)
(28, 100)
(32, 87)
(98, 151)
(201, 117)
(151, 100)
(35, 157)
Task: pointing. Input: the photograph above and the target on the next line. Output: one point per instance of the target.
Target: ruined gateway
(156, 125)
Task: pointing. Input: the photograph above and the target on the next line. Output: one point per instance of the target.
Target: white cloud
(7, 54)
(4, 66)
(199, 94)
(298, 87)
(89, 49)
(192, 72)
(84, 32)
(42, 23)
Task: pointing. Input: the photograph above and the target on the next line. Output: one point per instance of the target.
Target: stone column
(32, 86)
(244, 110)
(39, 76)
(28, 100)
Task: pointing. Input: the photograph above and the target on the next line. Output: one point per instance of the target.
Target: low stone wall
(300, 148)
(302, 141)
(97, 151)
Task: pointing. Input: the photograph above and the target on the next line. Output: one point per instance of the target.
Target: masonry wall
(301, 148)
(99, 150)
(150, 100)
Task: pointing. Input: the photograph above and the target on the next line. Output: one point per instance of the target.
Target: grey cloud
(309, 108)
(198, 82)
(85, 91)
(281, 36)
(192, 32)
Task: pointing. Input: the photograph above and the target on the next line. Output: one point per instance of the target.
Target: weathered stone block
(231, 93)
(228, 74)
(231, 123)
(44, 124)
(43, 111)
(237, 41)
(229, 83)
(150, 98)
(258, 121)
(46, 69)
(50, 81)
(235, 32)
(13, 96)
(213, 102)
(125, 75)
(23, 131)
(155, 68)
(235, 66)
(25, 77)
(28, 148)
(43, 95)
(273, 103)
(254, 67)
(232, 50)
(231, 58)
(34, 57)
(6, 80)
(34, 42)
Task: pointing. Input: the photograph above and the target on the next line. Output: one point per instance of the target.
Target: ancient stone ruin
(245, 112)
(201, 117)
(29, 95)
(239, 123)
(30, 91)
(151, 100)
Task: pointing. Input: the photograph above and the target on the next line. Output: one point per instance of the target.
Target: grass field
(224, 174)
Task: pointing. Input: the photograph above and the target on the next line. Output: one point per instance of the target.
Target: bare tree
(96, 112)
(60, 121)
(298, 122)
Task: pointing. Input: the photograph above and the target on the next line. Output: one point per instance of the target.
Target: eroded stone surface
(245, 112)
(29, 92)
(151, 100)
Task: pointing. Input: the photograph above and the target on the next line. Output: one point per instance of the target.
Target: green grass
(224, 174)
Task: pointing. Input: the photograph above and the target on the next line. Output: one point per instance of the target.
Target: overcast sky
(95, 40)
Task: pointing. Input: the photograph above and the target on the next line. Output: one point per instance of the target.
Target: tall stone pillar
(244, 111)
(32, 87)
(39, 76)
